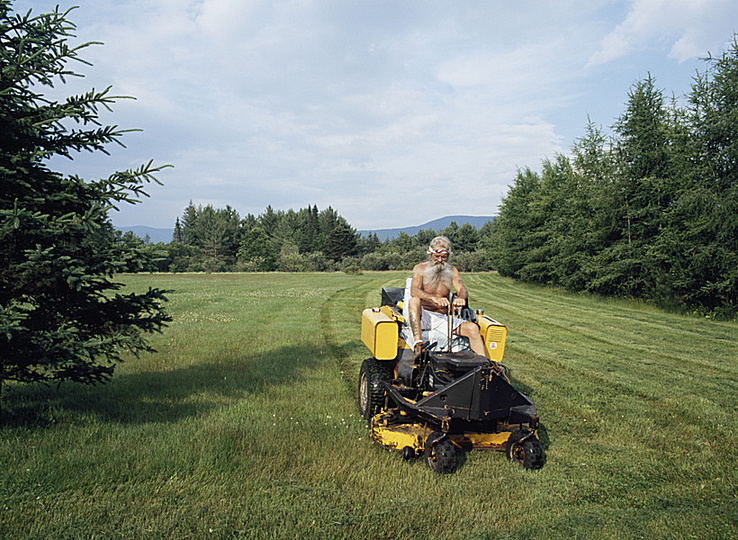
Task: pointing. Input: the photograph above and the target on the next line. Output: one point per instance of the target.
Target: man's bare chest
(437, 289)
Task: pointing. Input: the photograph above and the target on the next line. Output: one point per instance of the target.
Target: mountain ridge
(435, 225)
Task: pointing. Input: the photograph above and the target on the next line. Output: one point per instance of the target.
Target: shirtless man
(429, 304)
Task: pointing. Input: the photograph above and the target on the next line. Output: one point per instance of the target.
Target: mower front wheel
(527, 452)
(441, 454)
(371, 389)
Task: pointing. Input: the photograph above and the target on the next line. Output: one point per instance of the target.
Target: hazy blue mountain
(435, 225)
(165, 235)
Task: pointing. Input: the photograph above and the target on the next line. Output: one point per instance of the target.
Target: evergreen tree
(341, 241)
(402, 243)
(550, 257)
(466, 238)
(268, 220)
(514, 230)
(644, 189)
(653, 214)
(327, 220)
(215, 232)
(191, 234)
(287, 230)
(309, 226)
(424, 237)
(249, 222)
(211, 232)
(450, 232)
(593, 164)
(708, 201)
(177, 236)
(368, 244)
(60, 315)
(257, 250)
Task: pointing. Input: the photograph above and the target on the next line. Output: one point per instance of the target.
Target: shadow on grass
(160, 396)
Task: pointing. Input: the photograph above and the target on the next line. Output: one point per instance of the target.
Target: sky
(392, 112)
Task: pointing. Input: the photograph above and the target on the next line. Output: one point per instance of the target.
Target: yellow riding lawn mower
(444, 400)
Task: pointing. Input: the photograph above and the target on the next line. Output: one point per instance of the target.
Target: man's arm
(462, 294)
(414, 308)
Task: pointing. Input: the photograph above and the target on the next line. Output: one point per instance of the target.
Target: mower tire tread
(371, 389)
(527, 453)
(441, 456)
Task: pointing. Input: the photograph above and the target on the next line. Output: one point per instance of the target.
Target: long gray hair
(440, 243)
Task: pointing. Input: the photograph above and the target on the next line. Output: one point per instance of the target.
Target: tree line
(218, 240)
(649, 211)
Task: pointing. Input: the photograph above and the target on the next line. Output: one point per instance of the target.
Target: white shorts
(430, 320)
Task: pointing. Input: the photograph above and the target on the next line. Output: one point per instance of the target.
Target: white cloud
(686, 28)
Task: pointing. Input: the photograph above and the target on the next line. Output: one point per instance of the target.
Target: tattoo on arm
(415, 327)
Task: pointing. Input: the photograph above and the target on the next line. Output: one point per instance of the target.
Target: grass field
(244, 425)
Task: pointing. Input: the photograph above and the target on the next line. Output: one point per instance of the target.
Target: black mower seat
(393, 296)
(460, 362)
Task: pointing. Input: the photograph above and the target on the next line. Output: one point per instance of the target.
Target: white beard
(436, 273)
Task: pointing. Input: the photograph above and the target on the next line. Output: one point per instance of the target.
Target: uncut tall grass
(244, 425)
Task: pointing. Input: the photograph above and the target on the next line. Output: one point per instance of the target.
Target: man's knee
(468, 329)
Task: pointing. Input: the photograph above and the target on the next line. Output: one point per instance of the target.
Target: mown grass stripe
(632, 338)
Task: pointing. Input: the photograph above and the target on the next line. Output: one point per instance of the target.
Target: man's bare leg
(470, 331)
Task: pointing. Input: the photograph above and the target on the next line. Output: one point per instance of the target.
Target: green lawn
(244, 425)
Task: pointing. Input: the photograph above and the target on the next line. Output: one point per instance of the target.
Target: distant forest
(308, 240)
(648, 211)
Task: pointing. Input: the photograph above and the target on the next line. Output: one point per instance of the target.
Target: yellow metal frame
(399, 436)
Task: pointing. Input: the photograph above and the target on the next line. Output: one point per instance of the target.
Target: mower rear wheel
(527, 453)
(440, 456)
(371, 389)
